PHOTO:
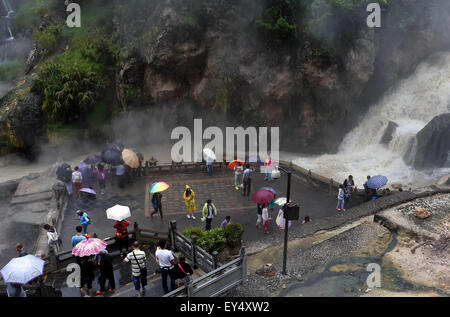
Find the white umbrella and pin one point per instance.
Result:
(23, 269)
(118, 213)
(281, 201)
(209, 153)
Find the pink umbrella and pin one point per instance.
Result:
(262, 196)
(90, 246)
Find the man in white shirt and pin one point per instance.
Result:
(166, 262)
(77, 179)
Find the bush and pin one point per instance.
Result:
(213, 240)
(11, 70)
(233, 234)
(189, 232)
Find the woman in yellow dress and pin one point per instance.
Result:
(189, 199)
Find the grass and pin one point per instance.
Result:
(11, 70)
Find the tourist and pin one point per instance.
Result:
(53, 240)
(138, 268)
(122, 235)
(247, 180)
(265, 219)
(77, 179)
(15, 290)
(268, 169)
(78, 237)
(157, 205)
(189, 200)
(87, 268)
(84, 220)
(341, 196)
(367, 191)
(209, 165)
(209, 212)
(120, 171)
(105, 263)
(238, 169)
(349, 186)
(20, 250)
(166, 262)
(225, 222)
(101, 177)
(259, 216)
(181, 270)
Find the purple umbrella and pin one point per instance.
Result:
(92, 159)
(88, 190)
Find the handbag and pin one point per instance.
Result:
(142, 270)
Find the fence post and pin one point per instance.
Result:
(215, 259)
(137, 234)
(188, 284)
(193, 252)
(243, 257)
(172, 235)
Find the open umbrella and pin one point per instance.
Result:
(112, 157)
(157, 187)
(114, 147)
(23, 269)
(232, 164)
(88, 190)
(64, 173)
(376, 182)
(92, 159)
(130, 158)
(139, 154)
(269, 189)
(281, 201)
(118, 213)
(89, 246)
(262, 196)
(209, 153)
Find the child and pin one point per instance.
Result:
(341, 196)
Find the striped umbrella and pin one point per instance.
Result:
(89, 246)
(157, 187)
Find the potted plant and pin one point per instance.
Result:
(212, 240)
(233, 237)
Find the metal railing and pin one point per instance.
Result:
(216, 282)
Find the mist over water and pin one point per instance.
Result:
(412, 104)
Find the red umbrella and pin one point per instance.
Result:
(232, 164)
(262, 196)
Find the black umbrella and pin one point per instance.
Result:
(115, 147)
(112, 157)
(64, 173)
(92, 159)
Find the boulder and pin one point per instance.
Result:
(431, 147)
(389, 133)
(421, 213)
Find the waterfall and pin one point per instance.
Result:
(411, 104)
(6, 16)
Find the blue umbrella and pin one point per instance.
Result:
(270, 189)
(22, 270)
(376, 182)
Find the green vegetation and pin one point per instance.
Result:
(72, 82)
(31, 12)
(11, 70)
(210, 241)
(233, 234)
(48, 38)
(279, 23)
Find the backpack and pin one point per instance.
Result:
(77, 177)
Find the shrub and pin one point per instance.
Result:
(199, 232)
(213, 240)
(11, 70)
(233, 234)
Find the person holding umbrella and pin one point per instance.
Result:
(20, 271)
(238, 169)
(209, 211)
(106, 272)
(122, 235)
(189, 199)
(87, 268)
(209, 157)
(157, 205)
(247, 180)
(259, 219)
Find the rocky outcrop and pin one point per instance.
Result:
(421, 213)
(389, 133)
(431, 147)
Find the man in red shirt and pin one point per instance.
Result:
(122, 235)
